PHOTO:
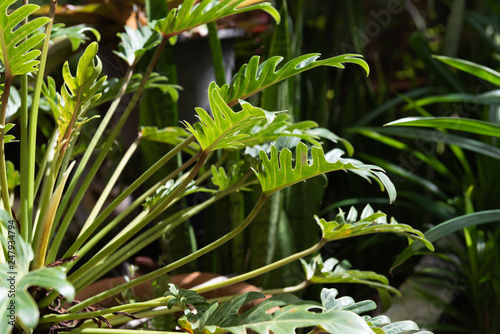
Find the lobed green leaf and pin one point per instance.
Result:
(253, 77)
(191, 14)
(79, 93)
(278, 173)
(227, 128)
(376, 222)
(18, 41)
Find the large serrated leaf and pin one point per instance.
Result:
(17, 54)
(278, 172)
(380, 324)
(191, 14)
(80, 92)
(227, 128)
(342, 228)
(292, 314)
(253, 77)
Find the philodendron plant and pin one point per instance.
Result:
(39, 277)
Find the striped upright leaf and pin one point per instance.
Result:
(17, 54)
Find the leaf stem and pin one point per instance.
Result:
(176, 264)
(3, 169)
(84, 235)
(102, 155)
(33, 122)
(137, 224)
(264, 269)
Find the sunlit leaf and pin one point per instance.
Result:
(451, 123)
(342, 227)
(227, 128)
(79, 93)
(334, 271)
(191, 14)
(279, 172)
(19, 41)
(476, 70)
(290, 315)
(253, 77)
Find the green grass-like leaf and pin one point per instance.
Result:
(451, 123)
(227, 128)
(18, 56)
(448, 227)
(278, 172)
(476, 70)
(253, 77)
(190, 15)
(370, 222)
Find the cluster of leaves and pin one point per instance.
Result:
(284, 314)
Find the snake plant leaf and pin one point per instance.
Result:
(446, 228)
(277, 172)
(227, 128)
(191, 14)
(80, 92)
(491, 97)
(477, 70)
(253, 77)
(18, 41)
(172, 135)
(136, 42)
(451, 123)
(342, 228)
(334, 271)
(291, 315)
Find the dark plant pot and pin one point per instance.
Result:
(195, 70)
